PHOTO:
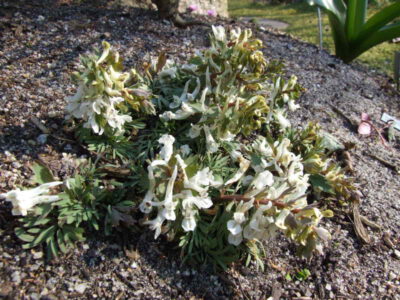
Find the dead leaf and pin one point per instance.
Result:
(358, 225)
(162, 59)
(132, 254)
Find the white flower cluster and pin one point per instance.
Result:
(93, 110)
(185, 195)
(100, 93)
(224, 111)
(26, 200)
(270, 200)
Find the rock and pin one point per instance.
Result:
(34, 296)
(396, 253)
(80, 288)
(392, 276)
(42, 139)
(5, 290)
(16, 277)
(38, 255)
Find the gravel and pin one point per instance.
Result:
(40, 43)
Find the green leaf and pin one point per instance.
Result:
(356, 13)
(320, 182)
(44, 235)
(23, 236)
(43, 210)
(41, 173)
(380, 20)
(330, 142)
(35, 230)
(36, 222)
(52, 246)
(335, 7)
(60, 241)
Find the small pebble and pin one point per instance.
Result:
(42, 139)
(38, 255)
(16, 277)
(397, 254)
(80, 288)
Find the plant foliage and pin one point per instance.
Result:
(352, 33)
(202, 153)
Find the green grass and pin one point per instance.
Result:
(302, 20)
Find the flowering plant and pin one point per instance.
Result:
(215, 164)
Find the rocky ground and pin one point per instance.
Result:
(40, 44)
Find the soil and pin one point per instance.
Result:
(40, 46)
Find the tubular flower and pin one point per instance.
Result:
(26, 200)
(166, 151)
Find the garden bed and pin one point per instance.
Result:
(40, 46)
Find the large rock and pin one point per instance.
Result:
(168, 6)
(219, 6)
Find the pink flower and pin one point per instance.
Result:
(211, 13)
(193, 7)
(364, 127)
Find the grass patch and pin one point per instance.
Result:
(302, 20)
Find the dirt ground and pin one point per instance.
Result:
(39, 48)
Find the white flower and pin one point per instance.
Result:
(247, 180)
(276, 192)
(219, 33)
(73, 101)
(283, 122)
(147, 204)
(295, 173)
(235, 239)
(283, 155)
(189, 67)
(167, 116)
(183, 113)
(189, 221)
(258, 225)
(262, 146)
(23, 201)
(194, 131)
(201, 181)
(167, 150)
(97, 105)
(244, 164)
(228, 137)
(234, 226)
(280, 220)
(115, 120)
(190, 205)
(168, 211)
(178, 100)
(263, 179)
(235, 33)
(171, 73)
(156, 225)
(292, 105)
(185, 150)
(212, 146)
(193, 95)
